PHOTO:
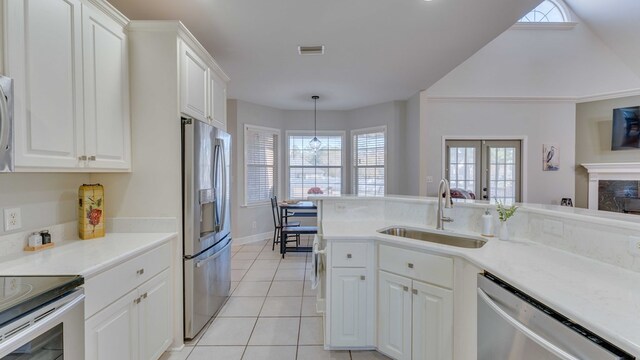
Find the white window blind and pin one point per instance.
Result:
(261, 163)
(315, 172)
(369, 162)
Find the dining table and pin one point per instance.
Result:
(299, 209)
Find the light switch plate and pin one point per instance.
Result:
(12, 219)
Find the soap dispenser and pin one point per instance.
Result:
(487, 223)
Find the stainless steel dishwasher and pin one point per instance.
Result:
(514, 326)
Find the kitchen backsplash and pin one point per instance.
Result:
(604, 238)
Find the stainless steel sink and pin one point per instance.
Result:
(435, 237)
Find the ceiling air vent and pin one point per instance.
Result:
(311, 50)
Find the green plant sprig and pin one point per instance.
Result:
(504, 213)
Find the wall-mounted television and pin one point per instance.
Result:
(625, 134)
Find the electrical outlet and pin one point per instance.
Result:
(429, 179)
(340, 207)
(254, 225)
(634, 245)
(12, 219)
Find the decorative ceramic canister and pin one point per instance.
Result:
(91, 211)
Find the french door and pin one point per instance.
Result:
(491, 169)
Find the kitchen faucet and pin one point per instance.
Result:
(443, 187)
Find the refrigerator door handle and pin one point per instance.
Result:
(223, 208)
(199, 263)
(5, 141)
(216, 213)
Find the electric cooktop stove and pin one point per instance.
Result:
(20, 295)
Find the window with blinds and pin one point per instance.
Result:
(261, 163)
(315, 172)
(369, 161)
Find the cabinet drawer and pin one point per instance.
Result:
(348, 254)
(105, 288)
(433, 269)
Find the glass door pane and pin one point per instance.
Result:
(462, 167)
(501, 161)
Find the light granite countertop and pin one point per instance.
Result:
(602, 297)
(83, 257)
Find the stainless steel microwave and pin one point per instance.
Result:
(7, 155)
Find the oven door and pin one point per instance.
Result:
(53, 331)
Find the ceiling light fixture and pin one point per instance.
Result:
(315, 143)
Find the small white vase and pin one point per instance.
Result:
(504, 231)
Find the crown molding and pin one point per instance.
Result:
(572, 99)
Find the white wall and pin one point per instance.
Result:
(255, 222)
(593, 140)
(539, 63)
(44, 199)
(540, 123)
(412, 154)
(523, 83)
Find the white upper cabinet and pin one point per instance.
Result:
(217, 101)
(194, 77)
(106, 88)
(43, 39)
(203, 87)
(69, 65)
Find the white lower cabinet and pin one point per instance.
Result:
(155, 316)
(415, 319)
(432, 326)
(112, 333)
(394, 315)
(350, 321)
(133, 319)
(348, 310)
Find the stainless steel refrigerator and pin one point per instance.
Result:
(206, 222)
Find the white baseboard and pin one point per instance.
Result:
(253, 238)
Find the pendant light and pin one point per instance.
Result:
(315, 143)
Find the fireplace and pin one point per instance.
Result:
(614, 187)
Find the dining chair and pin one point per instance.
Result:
(277, 226)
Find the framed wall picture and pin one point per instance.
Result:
(550, 157)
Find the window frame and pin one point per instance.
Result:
(524, 154)
(289, 133)
(277, 166)
(567, 24)
(354, 165)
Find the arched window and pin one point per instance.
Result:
(549, 11)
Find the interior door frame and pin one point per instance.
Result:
(524, 155)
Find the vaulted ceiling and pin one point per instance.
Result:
(376, 50)
(617, 23)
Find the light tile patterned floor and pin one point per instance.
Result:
(270, 314)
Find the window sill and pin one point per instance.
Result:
(545, 26)
(255, 205)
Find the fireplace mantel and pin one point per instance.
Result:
(609, 171)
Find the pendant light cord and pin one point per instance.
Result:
(315, 116)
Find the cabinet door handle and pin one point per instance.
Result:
(349, 256)
(140, 271)
(410, 265)
(136, 301)
(414, 291)
(92, 158)
(82, 158)
(144, 296)
(405, 288)
(362, 277)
